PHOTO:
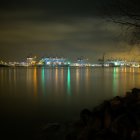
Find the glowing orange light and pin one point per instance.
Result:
(35, 81)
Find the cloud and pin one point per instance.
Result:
(67, 36)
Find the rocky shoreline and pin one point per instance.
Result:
(115, 119)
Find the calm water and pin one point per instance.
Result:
(34, 96)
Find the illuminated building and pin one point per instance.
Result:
(115, 63)
(81, 62)
(54, 61)
(31, 61)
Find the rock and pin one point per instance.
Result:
(135, 91)
(124, 125)
(106, 134)
(115, 119)
(85, 116)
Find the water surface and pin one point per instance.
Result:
(33, 96)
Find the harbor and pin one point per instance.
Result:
(65, 62)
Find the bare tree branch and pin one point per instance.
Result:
(127, 13)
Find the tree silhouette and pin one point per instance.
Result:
(127, 13)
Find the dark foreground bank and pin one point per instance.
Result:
(115, 119)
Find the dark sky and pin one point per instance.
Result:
(68, 28)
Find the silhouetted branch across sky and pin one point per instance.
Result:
(127, 12)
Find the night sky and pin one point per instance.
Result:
(67, 28)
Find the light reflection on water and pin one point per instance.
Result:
(77, 80)
(60, 93)
(35, 81)
(68, 82)
(43, 80)
(115, 81)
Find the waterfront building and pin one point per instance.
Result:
(81, 62)
(115, 63)
(54, 61)
(31, 61)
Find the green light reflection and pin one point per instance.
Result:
(115, 81)
(68, 82)
(43, 79)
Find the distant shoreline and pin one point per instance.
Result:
(60, 66)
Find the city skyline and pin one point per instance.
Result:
(61, 28)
